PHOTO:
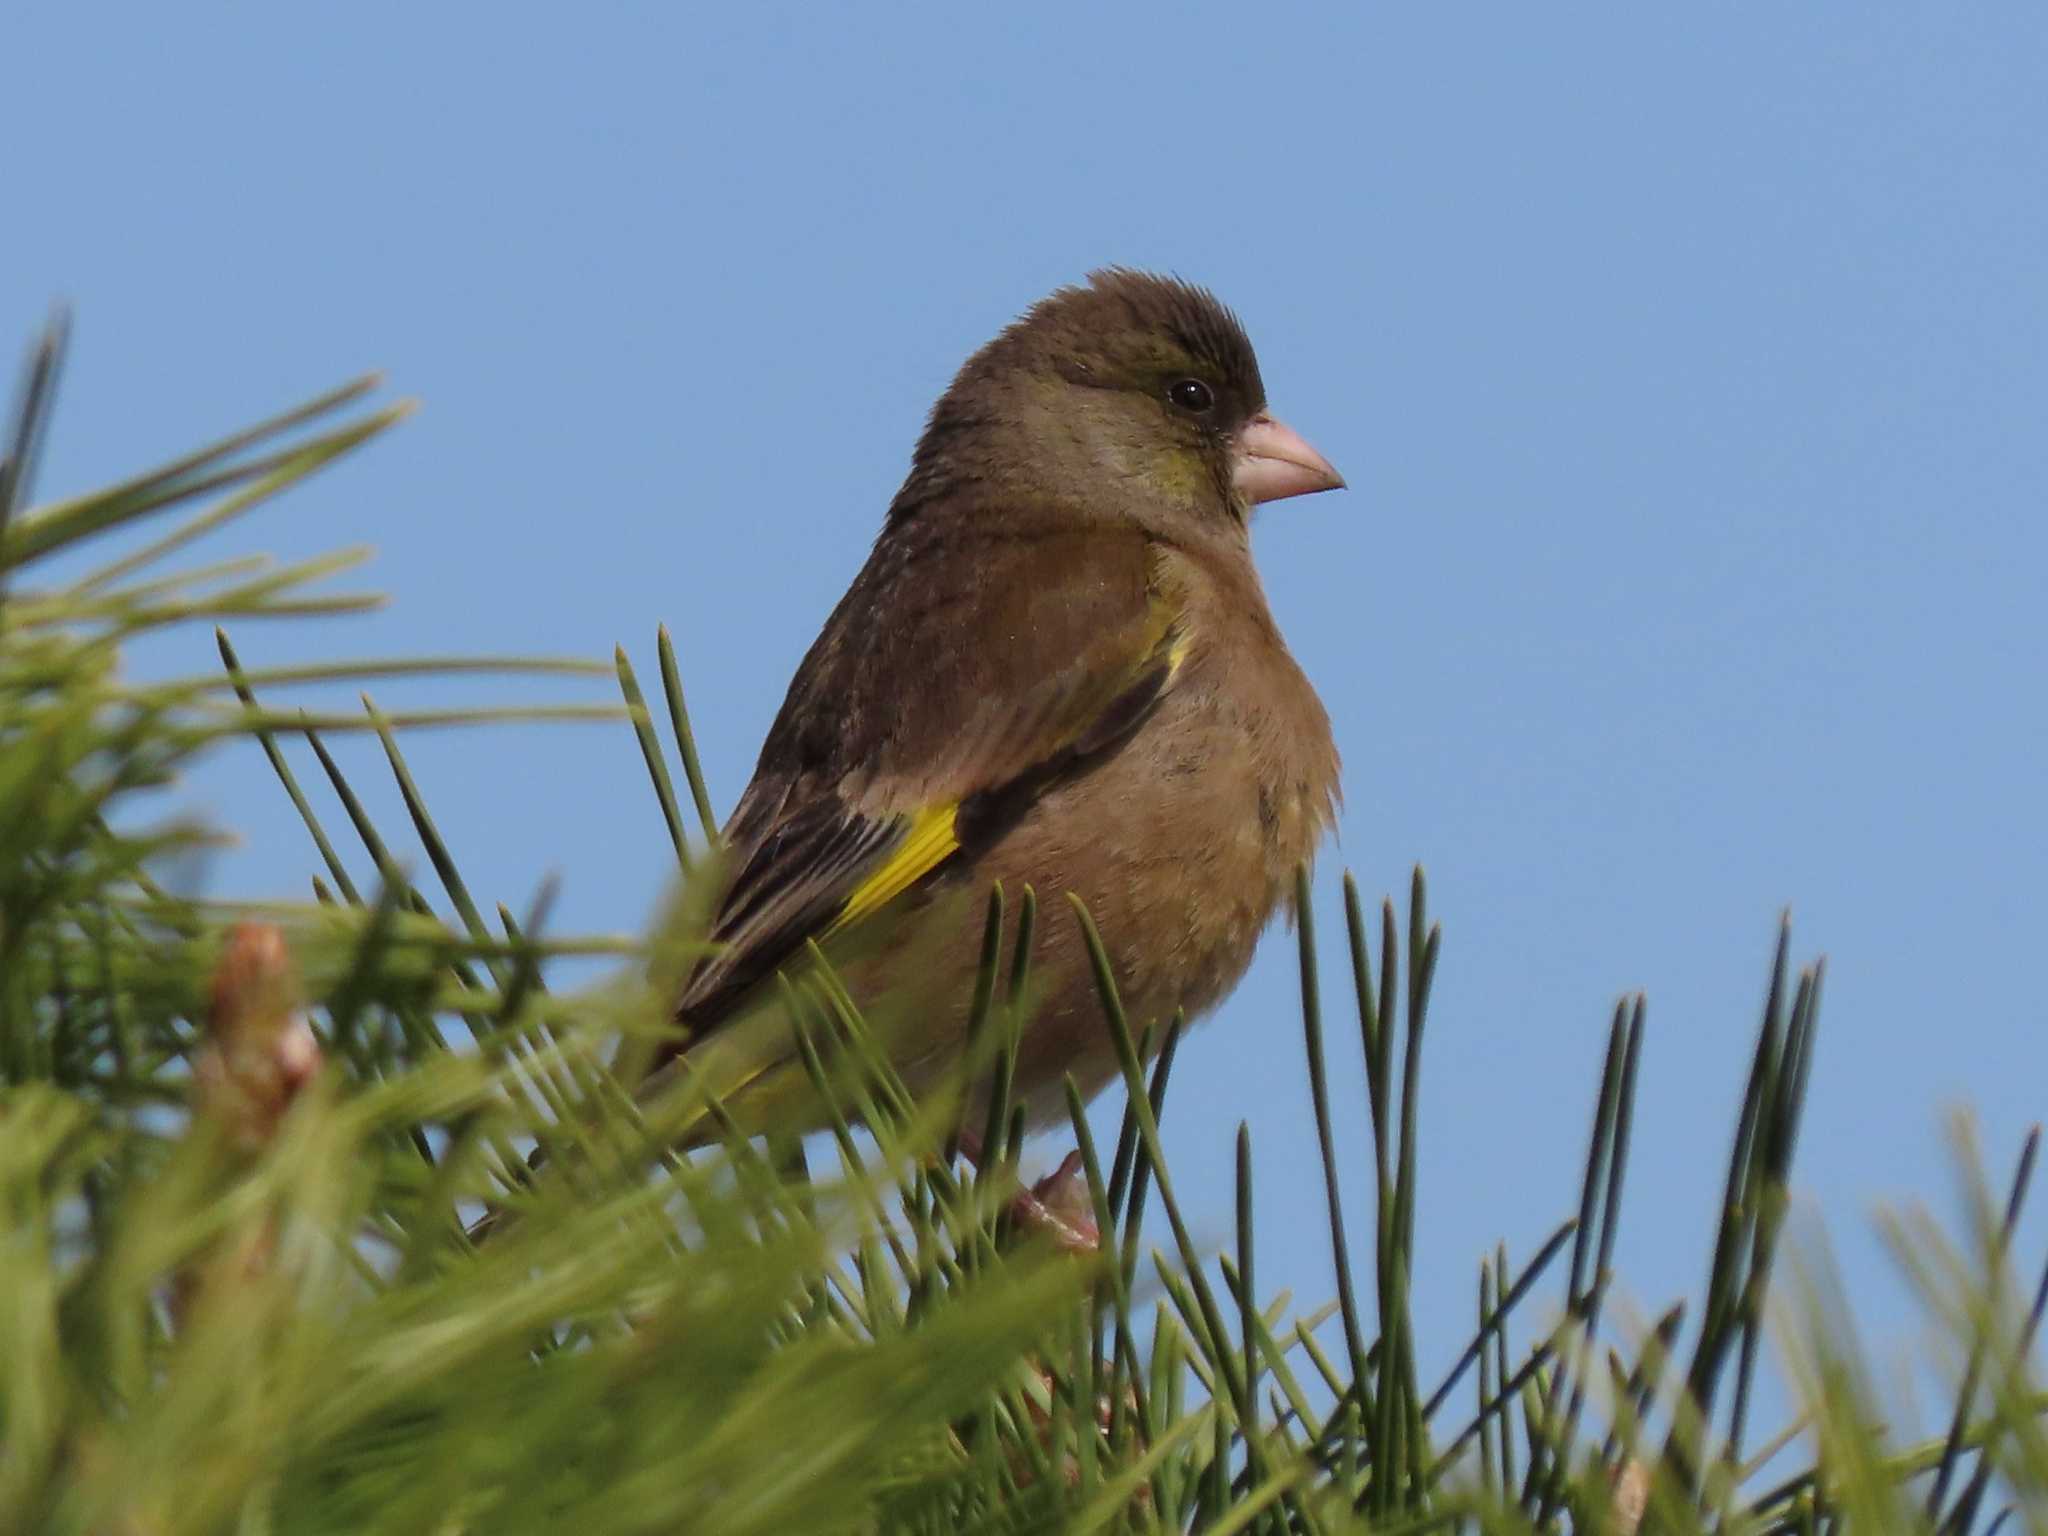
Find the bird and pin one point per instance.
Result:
(1056, 669)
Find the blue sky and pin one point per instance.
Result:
(1688, 371)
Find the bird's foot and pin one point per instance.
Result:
(1060, 1207)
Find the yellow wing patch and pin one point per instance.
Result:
(1168, 618)
(1177, 649)
(931, 840)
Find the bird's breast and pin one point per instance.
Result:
(1185, 842)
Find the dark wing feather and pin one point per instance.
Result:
(794, 884)
(961, 687)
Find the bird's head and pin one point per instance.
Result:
(1135, 396)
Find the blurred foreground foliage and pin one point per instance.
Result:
(244, 1154)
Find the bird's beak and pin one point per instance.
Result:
(1271, 461)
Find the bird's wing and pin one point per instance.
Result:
(903, 749)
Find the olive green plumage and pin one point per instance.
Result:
(1056, 668)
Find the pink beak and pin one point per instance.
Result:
(1272, 461)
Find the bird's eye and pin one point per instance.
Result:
(1191, 395)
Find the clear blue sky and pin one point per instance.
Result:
(1689, 373)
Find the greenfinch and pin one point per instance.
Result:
(1057, 669)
